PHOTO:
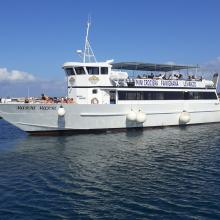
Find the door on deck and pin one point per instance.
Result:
(112, 97)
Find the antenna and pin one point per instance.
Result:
(88, 55)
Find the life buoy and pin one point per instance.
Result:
(94, 101)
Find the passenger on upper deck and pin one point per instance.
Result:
(43, 97)
(151, 76)
(160, 76)
(194, 78)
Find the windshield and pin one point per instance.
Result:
(80, 70)
(104, 70)
(93, 70)
(69, 71)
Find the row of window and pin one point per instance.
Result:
(164, 95)
(90, 71)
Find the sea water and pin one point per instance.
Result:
(169, 173)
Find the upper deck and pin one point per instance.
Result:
(134, 74)
(162, 75)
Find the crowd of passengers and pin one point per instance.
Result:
(177, 76)
(50, 100)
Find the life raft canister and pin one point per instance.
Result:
(94, 101)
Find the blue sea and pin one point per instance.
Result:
(169, 173)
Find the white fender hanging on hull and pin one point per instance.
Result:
(61, 111)
(184, 117)
(131, 116)
(141, 117)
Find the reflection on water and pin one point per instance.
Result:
(169, 173)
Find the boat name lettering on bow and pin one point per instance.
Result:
(27, 107)
(31, 107)
(48, 108)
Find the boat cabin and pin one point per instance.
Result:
(111, 83)
(88, 82)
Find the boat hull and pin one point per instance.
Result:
(42, 118)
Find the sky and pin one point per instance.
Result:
(38, 36)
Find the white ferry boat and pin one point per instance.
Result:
(105, 95)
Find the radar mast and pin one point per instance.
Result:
(88, 55)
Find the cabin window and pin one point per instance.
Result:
(199, 95)
(80, 70)
(165, 95)
(69, 71)
(208, 95)
(147, 96)
(93, 70)
(186, 95)
(173, 95)
(131, 96)
(158, 95)
(94, 91)
(140, 95)
(122, 95)
(104, 70)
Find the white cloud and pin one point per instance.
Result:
(15, 75)
(17, 83)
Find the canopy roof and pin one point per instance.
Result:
(149, 66)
